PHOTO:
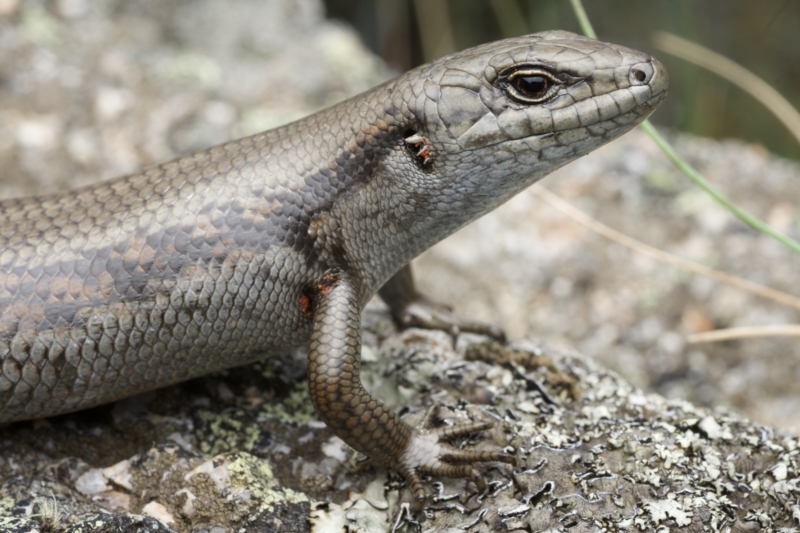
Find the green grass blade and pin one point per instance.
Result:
(701, 182)
(686, 168)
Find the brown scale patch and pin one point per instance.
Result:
(329, 281)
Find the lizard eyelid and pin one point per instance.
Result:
(529, 84)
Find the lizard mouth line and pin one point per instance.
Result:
(650, 104)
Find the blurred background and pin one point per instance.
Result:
(94, 89)
(762, 36)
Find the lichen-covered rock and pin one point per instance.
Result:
(102, 523)
(13, 524)
(594, 453)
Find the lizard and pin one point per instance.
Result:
(261, 245)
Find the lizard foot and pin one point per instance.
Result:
(427, 454)
(422, 313)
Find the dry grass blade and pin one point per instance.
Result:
(756, 87)
(747, 332)
(614, 235)
(734, 73)
(49, 514)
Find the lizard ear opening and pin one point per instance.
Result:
(420, 147)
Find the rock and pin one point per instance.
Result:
(159, 512)
(102, 523)
(593, 451)
(91, 482)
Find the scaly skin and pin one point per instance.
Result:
(258, 246)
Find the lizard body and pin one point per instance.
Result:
(258, 246)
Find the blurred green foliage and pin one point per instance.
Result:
(763, 36)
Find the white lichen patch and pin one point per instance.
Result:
(595, 413)
(529, 407)
(607, 388)
(327, 518)
(661, 510)
(362, 516)
(366, 512)
(713, 430)
(552, 437)
(712, 464)
(780, 471)
(670, 456)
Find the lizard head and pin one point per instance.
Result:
(451, 140)
(487, 122)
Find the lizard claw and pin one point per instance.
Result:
(427, 454)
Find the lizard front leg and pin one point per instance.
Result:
(363, 422)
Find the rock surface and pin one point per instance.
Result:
(540, 274)
(242, 451)
(94, 89)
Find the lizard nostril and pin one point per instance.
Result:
(641, 73)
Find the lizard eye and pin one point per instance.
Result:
(529, 85)
(533, 87)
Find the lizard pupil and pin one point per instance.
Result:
(532, 86)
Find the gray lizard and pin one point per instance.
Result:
(258, 246)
